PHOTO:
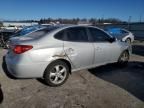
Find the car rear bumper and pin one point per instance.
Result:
(29, 70)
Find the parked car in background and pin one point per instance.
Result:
(7, 34)
(121, 34)
(4, 36)
(54, 52)
(28, 29)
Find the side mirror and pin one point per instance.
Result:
(112, 39)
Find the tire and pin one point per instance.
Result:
(56, 73)
(123, 59)
(128, 40)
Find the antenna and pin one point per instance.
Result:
(129, 21)
(140, 20)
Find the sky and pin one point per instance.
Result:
(37, 9)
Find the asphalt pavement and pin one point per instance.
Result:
(106, 86)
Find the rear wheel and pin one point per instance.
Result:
(123, 59)
(56, 73)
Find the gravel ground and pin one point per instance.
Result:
(104, 87)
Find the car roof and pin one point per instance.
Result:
(68, 26)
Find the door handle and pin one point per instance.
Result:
(98, 48)
(70, 51)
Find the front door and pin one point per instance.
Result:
(104, 50)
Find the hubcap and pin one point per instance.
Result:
(58, 74)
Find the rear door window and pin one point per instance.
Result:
(76, 34)
(60, 35)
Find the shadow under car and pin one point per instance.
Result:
(130, 78)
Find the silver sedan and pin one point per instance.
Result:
(54, 52)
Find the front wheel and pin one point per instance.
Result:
(123, 59)
(128, 40)
(56, 73)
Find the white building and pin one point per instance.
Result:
(17, 24)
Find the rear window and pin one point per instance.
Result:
(25, 31)
(40, 33)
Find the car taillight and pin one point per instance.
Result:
(19, 49)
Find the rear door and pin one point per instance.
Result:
(104, 50)
(78, 48)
